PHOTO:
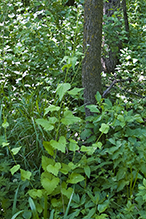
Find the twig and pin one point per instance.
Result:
(112, 84)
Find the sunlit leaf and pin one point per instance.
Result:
(104, 128)
(60, 145)
(14, 169)
(75, 178)
(25, 175)
(45, 124)
(62, 89)
(49, 185)
(69, 118)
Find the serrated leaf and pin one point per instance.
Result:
(75, 178)
(14, 169)
(51, 109)
(46, 161)
(62, 89)
(53, 120)
(16, 150)
(75, 91)
(48, 148)
(65, 168)
(54, 169)
(34, 193)
(50, 185)
(60, 145)
(25, 175)
(67, 192)
(104, 128)
(45, 124)
(69, 118)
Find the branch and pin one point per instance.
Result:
(112, 84)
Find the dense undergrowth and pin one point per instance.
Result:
(54, 162)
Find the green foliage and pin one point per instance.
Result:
(54, 162)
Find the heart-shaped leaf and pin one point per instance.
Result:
(54, 169)
(49, 185)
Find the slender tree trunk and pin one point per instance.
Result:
(91, 68)
(114, 45)
(125, 18)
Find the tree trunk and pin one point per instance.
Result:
(91, 68)
(114, 44)
(125, 18)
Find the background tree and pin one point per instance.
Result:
(91, 68)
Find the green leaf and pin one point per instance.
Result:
(14, 169)
(51, 109)
(93, 108)
(138, 118)
(5, 125)
(60, 145)
(86, 133)
(91, 213)
(75, 91)
(46, 161)
(102, 207)
(67, 192)
(104, 128)
(121, 173)
(48, 148)
(75, 178)
(97, 145)
(69, 118)
(62, 89)
(54, 169)
(121, 185)
(16, 214)
(34, 193)
(16, 150)
(33, 208)
(102, 216)
(45, 124)
(53, 120)
(98, 97)
(65, 168)
(89, 150)
(144, 182)
(73, 145)
(5, 144)
(50, 185)
(87, 171)
(25, 175)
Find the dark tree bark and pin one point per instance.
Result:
(91, 67)
(125, 18)
(109, 63)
